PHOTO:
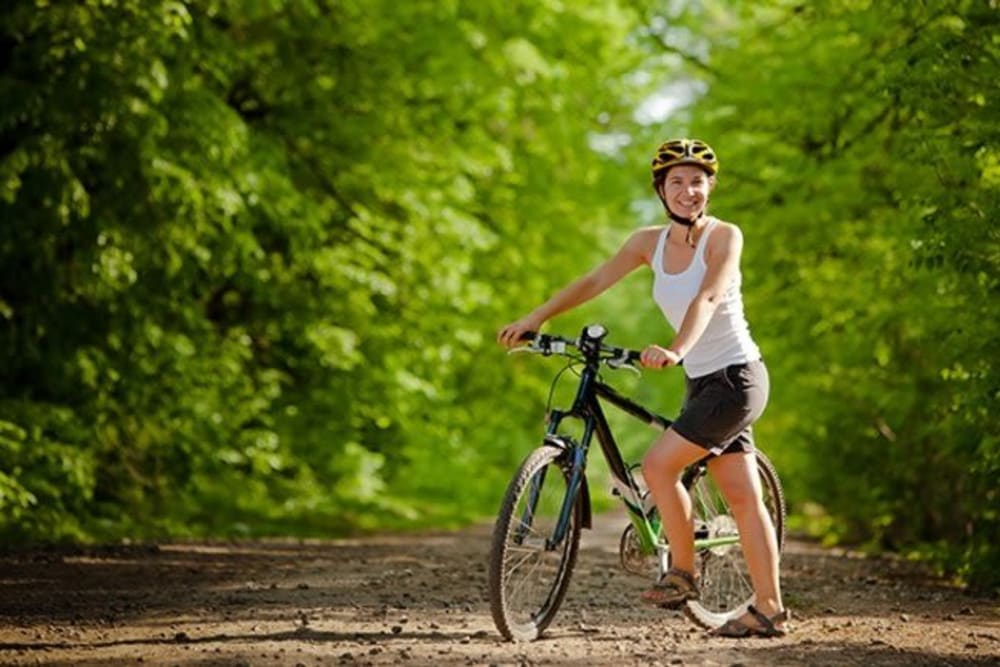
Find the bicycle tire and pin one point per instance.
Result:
(528, 577)
(725, 589)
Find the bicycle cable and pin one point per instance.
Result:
(573, 362)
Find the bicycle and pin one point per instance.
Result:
(536, 536)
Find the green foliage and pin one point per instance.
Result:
(859, 151)
(253, 255)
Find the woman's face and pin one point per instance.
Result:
(685, 189)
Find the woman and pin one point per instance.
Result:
(695, 260)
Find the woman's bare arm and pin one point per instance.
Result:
(723, 261)
(633, 253)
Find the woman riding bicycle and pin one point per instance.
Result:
(695, 260)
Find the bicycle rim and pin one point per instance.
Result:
(528, 573)
(726, 589)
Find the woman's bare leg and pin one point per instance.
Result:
(736, 476)
(662, 468)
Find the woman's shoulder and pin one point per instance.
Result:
(724, 224)
(725, 230)
(724, 235)
(651, 232)
(643, 241)
(648, 237)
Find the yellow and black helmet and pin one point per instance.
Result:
(684, 151)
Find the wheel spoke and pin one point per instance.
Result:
(726, 588)
(528, 576)
(523, 582)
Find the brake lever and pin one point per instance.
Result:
(623, 365)
(535, 347)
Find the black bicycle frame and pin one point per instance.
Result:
(587, 407)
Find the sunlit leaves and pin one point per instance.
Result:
(264, 246)
(857, 150)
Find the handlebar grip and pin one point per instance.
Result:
(528, 335)
(634, 356)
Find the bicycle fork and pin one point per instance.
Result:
(577, 461)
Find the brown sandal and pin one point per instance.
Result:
(673, 589)
(767, 628)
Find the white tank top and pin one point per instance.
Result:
(726, 340)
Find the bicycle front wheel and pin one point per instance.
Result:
(726, 590)
(530, 563)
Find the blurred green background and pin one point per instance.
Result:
(253, 254)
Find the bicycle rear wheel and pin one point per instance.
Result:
(529, 571)
(726, 590)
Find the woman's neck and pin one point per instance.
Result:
(684, 235)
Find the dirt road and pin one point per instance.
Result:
(421, 600)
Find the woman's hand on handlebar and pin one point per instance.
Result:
(510, 335)
(655, 356)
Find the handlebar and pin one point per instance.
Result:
(589, 343)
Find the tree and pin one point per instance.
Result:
(860, 149)
(252, 253)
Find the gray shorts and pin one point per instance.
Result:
(719, 408)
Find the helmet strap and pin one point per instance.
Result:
(687, 222)
(684, 222)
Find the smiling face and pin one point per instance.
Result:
(685, 190)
